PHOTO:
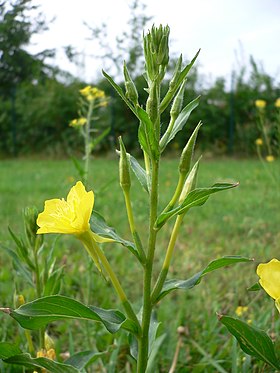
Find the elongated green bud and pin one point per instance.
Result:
(187, 153)
(177, 72)
(30, 215)
(124, 168)
(190, 182)
(178, 102)
(131, 91)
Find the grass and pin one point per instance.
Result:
(242, 221)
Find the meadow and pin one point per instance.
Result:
(241, 221)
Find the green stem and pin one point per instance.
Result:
(143, 343)
(133, 230)
(167, 259)
(94, 250)
(177, 193)
(38, 291)
(87, 142)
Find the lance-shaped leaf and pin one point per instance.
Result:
(8, 349)
(119, 90)
(139, 172)
(41, 362)
(82, 359)
(171, 285)
(19, 266)
(99, 226)
(196, 197)
(179, 79)
(252, 340)
(40, 312)
(146, 134)
(180, 121)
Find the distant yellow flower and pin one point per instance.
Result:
(259, 142)
(277, 103)
(270, 158)
(269, 274)
(92, 93)
(260, 104)
(70, 216)
(240, 310)
(78, 122)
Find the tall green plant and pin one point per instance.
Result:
(75, 216)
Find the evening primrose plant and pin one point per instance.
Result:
(91, 99)
(75, 216)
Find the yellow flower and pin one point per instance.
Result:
(260, 104)
(70, 216)
(78, 122)
(240, 310)
(277, 103)
(259, 142)
(269, 274)
(85, 91)
(270, 158)
(92, 93)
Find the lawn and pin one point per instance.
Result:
(242, 221)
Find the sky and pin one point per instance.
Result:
(227, 31)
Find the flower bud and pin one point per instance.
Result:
(131, 91)
(178, 102)
(30, 215)
(176, 73)
(187, 153)
(260, 104)
(190, 182)
(124, 168)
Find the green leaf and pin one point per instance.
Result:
(181, 120)
(186, 69)
(40, 312)
(151, 367)
(19, 267)
(119, 90)
(196, 197)
(53, 283)
(146, 134)
(171, 285)
(21, 249)
(139, 172)
(172, 90)
(8, 349)
(79, 167)
(252, 340)
(98, 226)
(99, 138)
(82, 359)
(41, 362)
(255, 287)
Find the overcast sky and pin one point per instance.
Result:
(227, 31)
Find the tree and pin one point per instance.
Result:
(17, 25)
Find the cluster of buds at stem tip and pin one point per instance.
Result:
(156, 51)
(131, 91)
(124, 168)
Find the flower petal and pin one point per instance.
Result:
(269, 274)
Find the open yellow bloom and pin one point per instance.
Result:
(269, 274)
(277, 103)
(270, 158)
(70, 216)
(259, 142)
(260, 104)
